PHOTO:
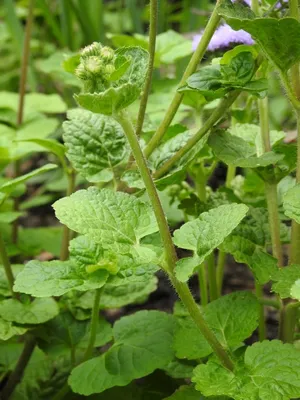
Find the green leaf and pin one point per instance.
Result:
(276, 37)
(8, 329)
(284, 280)
(180, 369)
(233, 150)
(117, 221)
(291, 203)
(262, 264)
(9, 216)
(142, 344)
(94, 143)
(4, 287)
(206, 233)
(270, 370)
(11, 185)
(36, 312)
(186, 393)
(50, 145)
(232, 318)
(240, 69)
(54, 278)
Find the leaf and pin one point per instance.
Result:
(50, 145)
(270, 370)
(291, 204)
(9, 216)
(36, 312)
(206, 233)
(186, 393)
(8, 329)
(94, 143)
(235, 151)
(239, 70)
(142, 344)
(117, 221)
(4, 287)
(284, 280)
(180, 369)
(11, 185)
(278, 38)
(232, 318)
(54, 278)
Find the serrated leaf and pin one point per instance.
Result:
(291, 203)
(270, 370)
(54, 278)
(278, 38)
(36, 312)
(8, 329)
(117, 221)
(285, 279)
(11, 185)
(206, 233)
(94, 143)
(232, 318)
(142, 344)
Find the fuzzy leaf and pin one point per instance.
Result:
(285, 279)
(142, 344)
(206, 233)
(291, 203)
(54, 278)
(36, 312)
(270, 370)
(117, 221)
(94, 143)
(232, 317)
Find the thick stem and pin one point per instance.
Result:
(220, 271)
(211, 121)
(200, 182)
(261, 324)
(190, 69)
(212, 279)
(147, 87)
(288, 322)
(64, 251)
(269, 302)
(171, 257)
(295, 75)
(6, 265)
(94, 325)
(22, 90)
(202, 278)
(17, 374)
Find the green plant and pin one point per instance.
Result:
(117, 235)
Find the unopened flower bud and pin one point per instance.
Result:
(93, 65)
(109, 69)
(93, 49)
(107, 53)
(80, 72)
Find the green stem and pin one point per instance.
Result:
(147, 87)
(269, 302)
(203, 284)
(22, 90)
(64, 251)
(220, 271)
(200, 181)
(94, 325)
(289, 317)
(6, 265)
(295, 75)
(17, 374)
(190, 69)
(211, 121)
(171, 257)
(212, 279)
(231, 171)
(261, 324)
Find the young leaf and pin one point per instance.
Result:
(94, 143)
(36, 312)
(270, 369)
(232, 318)
(285, 279)
(117, 221)
(8, 329)
(206, 233)
(276, 37)
(291, 203)
(142, 344)
(54, 278)
(11, 185)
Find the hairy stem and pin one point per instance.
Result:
(17, 374)
(211, 121)
(147, 87)
(171, 257)
(6, 265)
(212, 279)
(220, 271)
(261, 323)
(203, 284)
(22, 90)
(64, 251)
(94, 325)
(190, 69)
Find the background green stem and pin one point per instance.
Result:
(170, 253)
(212, 278)
(202, 278)
(64, 252)
(190, 69)
(6, 265)
(261, 323)
(220, 271)
(94, 325)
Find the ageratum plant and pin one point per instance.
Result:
(57, 341)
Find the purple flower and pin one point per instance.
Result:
(224, 36)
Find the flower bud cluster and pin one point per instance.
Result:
(97, 63)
